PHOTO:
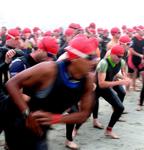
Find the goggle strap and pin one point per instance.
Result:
(11, 36)
(76, 52)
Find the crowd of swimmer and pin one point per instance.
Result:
(22, 45)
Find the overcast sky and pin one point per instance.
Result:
(54, 13)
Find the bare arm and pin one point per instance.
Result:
(107, 84)
(122, 74)
(27, 78)
(8, 58)
(136, 53)
(86, 103)
(36, 76)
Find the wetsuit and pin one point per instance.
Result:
(70, 127)
(138, 46)
(113, 96)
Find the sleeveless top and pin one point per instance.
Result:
(61, 95)
(111, 71)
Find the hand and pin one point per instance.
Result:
(126, 81)
(9, 55)
(141, 56)
(32, 124)
(43, 118)
(142, 61)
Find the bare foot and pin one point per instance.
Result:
(139, 108)
(111, 134)
(71, 145)
(97, 124)
(122, 119)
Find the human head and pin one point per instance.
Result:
(115, 32)
(3, 30)
(91, 32)
(47, 48)
(117, 52)
(37, 32)
(13, 34)
(69, 33)
(92, 25)
(125, 41)
(26, 32)
(124, 28)
(56, 33)
(130, 32)
(100, 31)
(77, 28)
(36, 29)
(13, 38)
(80, 52)
(48, 33)
(81, 46)
(105, 33)
(140, 30)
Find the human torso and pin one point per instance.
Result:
(59, 95)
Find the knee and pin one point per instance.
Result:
(124, 93)
(119, 108)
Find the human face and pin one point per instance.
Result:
(125, 45)
(42, 55)
(118, 34)
(90, 57)
(27, 35)
(116, 58)
(84, 65)
(83, 62)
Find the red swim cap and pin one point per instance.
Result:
(26, 30)
(12, 34)
(115, 30)
(92, 25)
(117, 50)
(124, 39)
(48, 33)
(69, 32)
(36, 29)
(49, 44)
(81, 47)
(74, 26)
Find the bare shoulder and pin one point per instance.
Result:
(47, 67)
(44, 66)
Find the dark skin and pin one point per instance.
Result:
(42, 76)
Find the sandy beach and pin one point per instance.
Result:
(89, 138)
(131, 132)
